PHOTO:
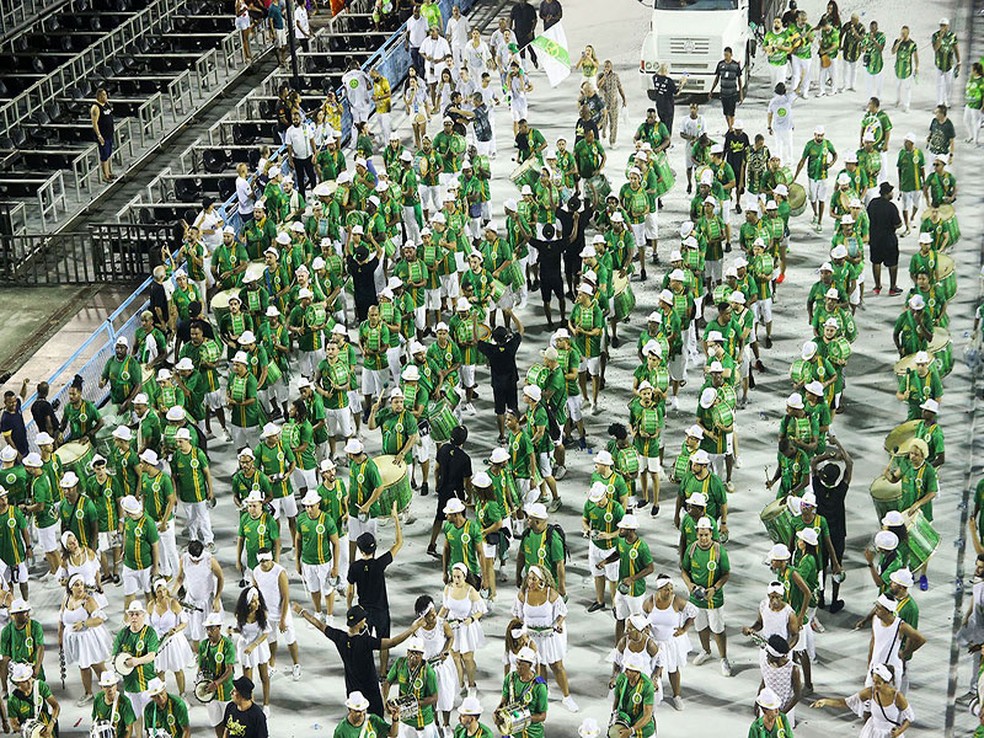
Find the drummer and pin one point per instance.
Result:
(523, 689)
(365, 487)
(417, 679)
(889, 560)
(123, 374)
(913, 328)
(81, 418)
(31, 698)
(920, 384)
(705, 570)
(113, 707)
(920, 486)
(930, 432)
(634, 696)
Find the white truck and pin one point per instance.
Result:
(689, 37)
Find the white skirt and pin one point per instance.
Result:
(551, 645)
(447, 684)
(176, 654)
(260, 655)
(674, 652)
(468, 638)
(84, 648)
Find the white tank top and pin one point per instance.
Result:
(268, 582)
(774, 623)
(664, 622)
(88, 570)
(457, 609)
(199, 581)
(163, 622)
(433, 639)
(887, 642)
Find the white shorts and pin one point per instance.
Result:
(339, 422)
(652, 226)
(724, 207)
(627, 605)
(139, 700)
(215, 400)
(316, 577)
(449, 285)
(817, 189)
(518, 107)
(358, 527)
(855, 298)
(714, 270)
(216, 712)
(490, 550)
(432, 299)
(8, 573)
(592, 365)
(425, 449)
(650, 464)
(763, 311)
(285, 506)
(639, 233)
(574, 404)
(713, 619)
(428, 731)
(596, 556)
(373, 381)
(242, 24)
(911, 200)
(135, 581)
(526, 490)
(107, 542)
(305, 478)
(48, 538)
(467, 373)
(678, 367)
(288, 635)
(280, 34)
(545, 464)
(430, 197)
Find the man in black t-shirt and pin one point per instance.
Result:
(550, 250)
(728, 75)
(664, 92)
(355, 647)
(575, 217)
(523, 19)
(454, 471)
(883, 241)
(243, 717)
(367, 579)
(504, 374)
(830, 485)
(736, 146)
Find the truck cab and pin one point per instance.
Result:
(689, 37)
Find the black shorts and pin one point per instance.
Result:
(554, 285)
(379, 621)
(728, 104)
(886, 254)
(504, 396)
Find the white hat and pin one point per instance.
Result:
(304, 383)
(930, 404)
(707, 397)
(69, 480)
(311, 498)
(887, 540)
(499, 455)
(893, 518)
(414, 643)
(707, 177)
(814, 388)
(715, 367)
(537, 510)
(629, 522)
(43, 439)
(700, 456)
(710, 200)
(654, 348)
(666, 296)
(819, 131)
(442, 326)
(617, 217)
(589, 728)
(597, 492)
(136, 606)
(832, 294)
(463, 304)
(677, 275)
(21, 673)
(354, 446)
(916, 302)
(108, 678)
(245, 451)
(808, 498)
(270, 430)
(847, 219)
(697, 499)
(406, 156)
(588, 252)
(794, 401)
(808, 351)
(356, 700)
(533, 392)
(175, 414)
(185, 364)
(527, 654)
(902, 577)
(327, 464)
(453, 506)
(303, 293)
(944, 21)
(482, 480)
(149, 456)
(603, 457)
(704, 523)
(768, 700)
(410, 373)
(469, 705)
(925, 237)
(283, 238)
(131, 505)
(33, 459)
(840, 251)
(241, 357)
(910, 137)
(19, 605)
(254, 496)
(942, 158)
(527, 190)
(122, 341)
(655, 317)
(639, 662)
(854, 203)
(213, 619)
(714, 337)
(359, 230)
(695, 431)
(9, 453)
(808, 535)
(779, 552)
(561, 333)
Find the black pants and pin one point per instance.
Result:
(303, 174)
(665, 113)
(524, 46)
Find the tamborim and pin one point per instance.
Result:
(120, 665)
(204, 691)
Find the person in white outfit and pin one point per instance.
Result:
(169, 621)
(889, 715)
(252, 642)
(457, 31)
(152, 477)
(82, 634)
(780, 122)
(271, 579)
(670, 616)
(893, 641)
(437, 638)
(201, 576)
(463, 608)
(357, 88)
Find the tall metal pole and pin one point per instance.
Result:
(292, 46)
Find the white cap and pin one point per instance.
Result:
(779, 552)
(714, 337)
(887, 540)
(666, 296)
(617, 217)
(410, 373)
(122, 341)
(183, 434)
(537, 510)
(327, 464)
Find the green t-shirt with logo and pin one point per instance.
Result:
(138, 643)
(213, 658)
(816, 155)
(421, 683)
(257, 533)
(124, 717)
(705, 568)
(139, 535)
(463, 545)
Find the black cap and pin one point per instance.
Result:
(778, 644)
(243, 685)
(355, 614)
(366, 543)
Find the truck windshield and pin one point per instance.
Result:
(696, 4)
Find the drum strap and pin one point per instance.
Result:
(113, 714)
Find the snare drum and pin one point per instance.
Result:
(442, 422)
(778, 521)
(923, 539)
(512, 719)
(624, 297)
(898, 440)
(525, 173)
(949, 217)
(76, 455)
(32, 728)
(797, 199)
(619, 728)
(102, 729)
(596, 189)
(396, 484)
(946, 275)
(885, 496)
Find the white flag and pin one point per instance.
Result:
(551, 48)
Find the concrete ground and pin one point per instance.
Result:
(718, 705)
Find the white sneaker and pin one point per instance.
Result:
(677, 703)
(702, 658)
(471, 409)
(570, 704)
(726, 667)
(674, 402)
(266, 711)
(296, 672)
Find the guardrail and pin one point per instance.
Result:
(89, 358)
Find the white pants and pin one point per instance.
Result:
(428, 731)
(801, 75)
(972, 119)
(385, 126)
(874, 83)
(393, 360)
(410, 223)
(903, 92)
(308, 361)
(168, 547)
(849, 74)
(944, 87)
(777, 73)
(199, 521)
(829, 74)
(242, 436)
(784, 145)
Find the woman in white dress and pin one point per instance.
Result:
(169, 620)
(463, 609)
(252, 646)
(670, 617)
(77, 559)
(82, 635)
(543, 612)
(638, 639)
(888, 712)
(517, 638)
(438, 638)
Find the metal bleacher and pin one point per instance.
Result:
(159, 60)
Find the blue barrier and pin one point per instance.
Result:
(392, 60)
